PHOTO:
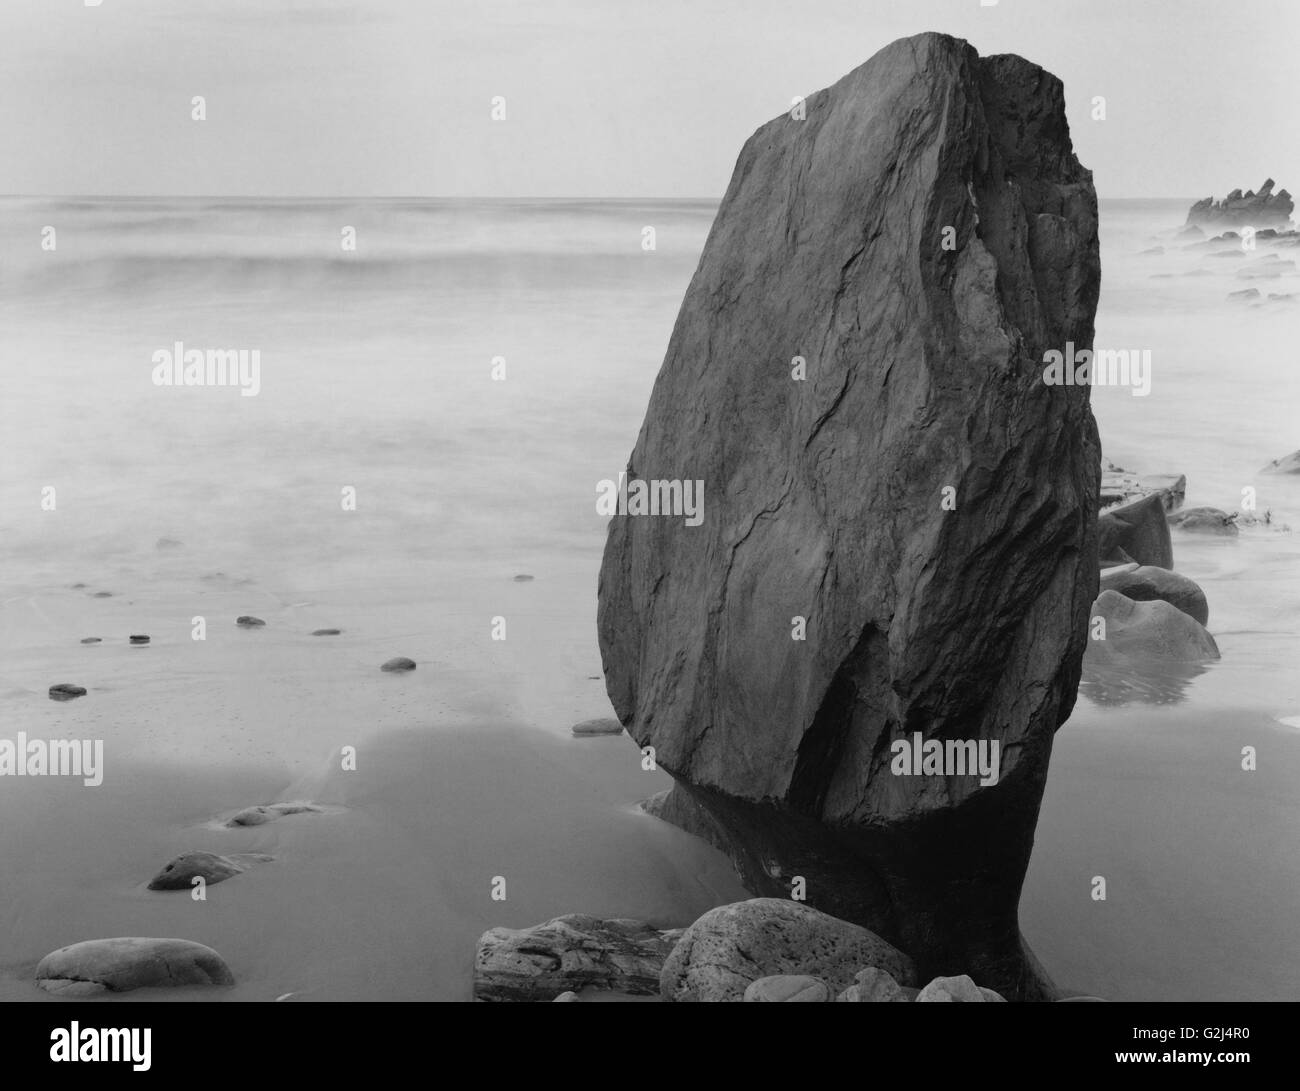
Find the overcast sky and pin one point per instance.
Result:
(603, 99)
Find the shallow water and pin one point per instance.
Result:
(376, 375)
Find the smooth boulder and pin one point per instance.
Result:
(130, 962)
(722, 953)
(1136, 532)
(570, 953)
(1154, 631)
(398, 664)
(864, 414)
(1148, 583)
(247, 621)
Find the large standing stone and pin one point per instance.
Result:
(728, 948)
(922, 500)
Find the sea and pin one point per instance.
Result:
(441, 387)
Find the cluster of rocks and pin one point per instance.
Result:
(1238, 209)
(764, 950)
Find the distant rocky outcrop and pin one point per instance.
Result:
(1262, 209)
(1205, 521)
(856, 377)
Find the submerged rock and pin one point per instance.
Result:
(179, 873)
(1205, 521)
(1288, 465)
(268, 812)
(1136, 532)
(66, 691)
(729, 947)
(326, 632)
(247, 621)
(130, 962)
(605, 726)
(400, 663)
(1152, 630)
(1147, 583)
(880, 457)
(92, 640)
(570, 953)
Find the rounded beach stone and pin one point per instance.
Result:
(951, 990)
(326, 632)
(730, 946)
(66, 691)
(91, 640)
(787, 988)
(139, 638)
(130, 962)
(873, 986)
(247, 621)
(400, 663)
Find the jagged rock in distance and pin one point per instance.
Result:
(1251, 209)
(824, 499)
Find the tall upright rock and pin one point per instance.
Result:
(922, 499)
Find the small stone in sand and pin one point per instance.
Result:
(167, 543)
(326, 632)
(598, 727)
(78, 586)
(247, 621)
(256, 816)
(401, 663)
(66, 691)
(91, 640)
(139, 638)
(179, 874)
(523, 577)
(102, 595)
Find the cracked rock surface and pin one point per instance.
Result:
(822, 500)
